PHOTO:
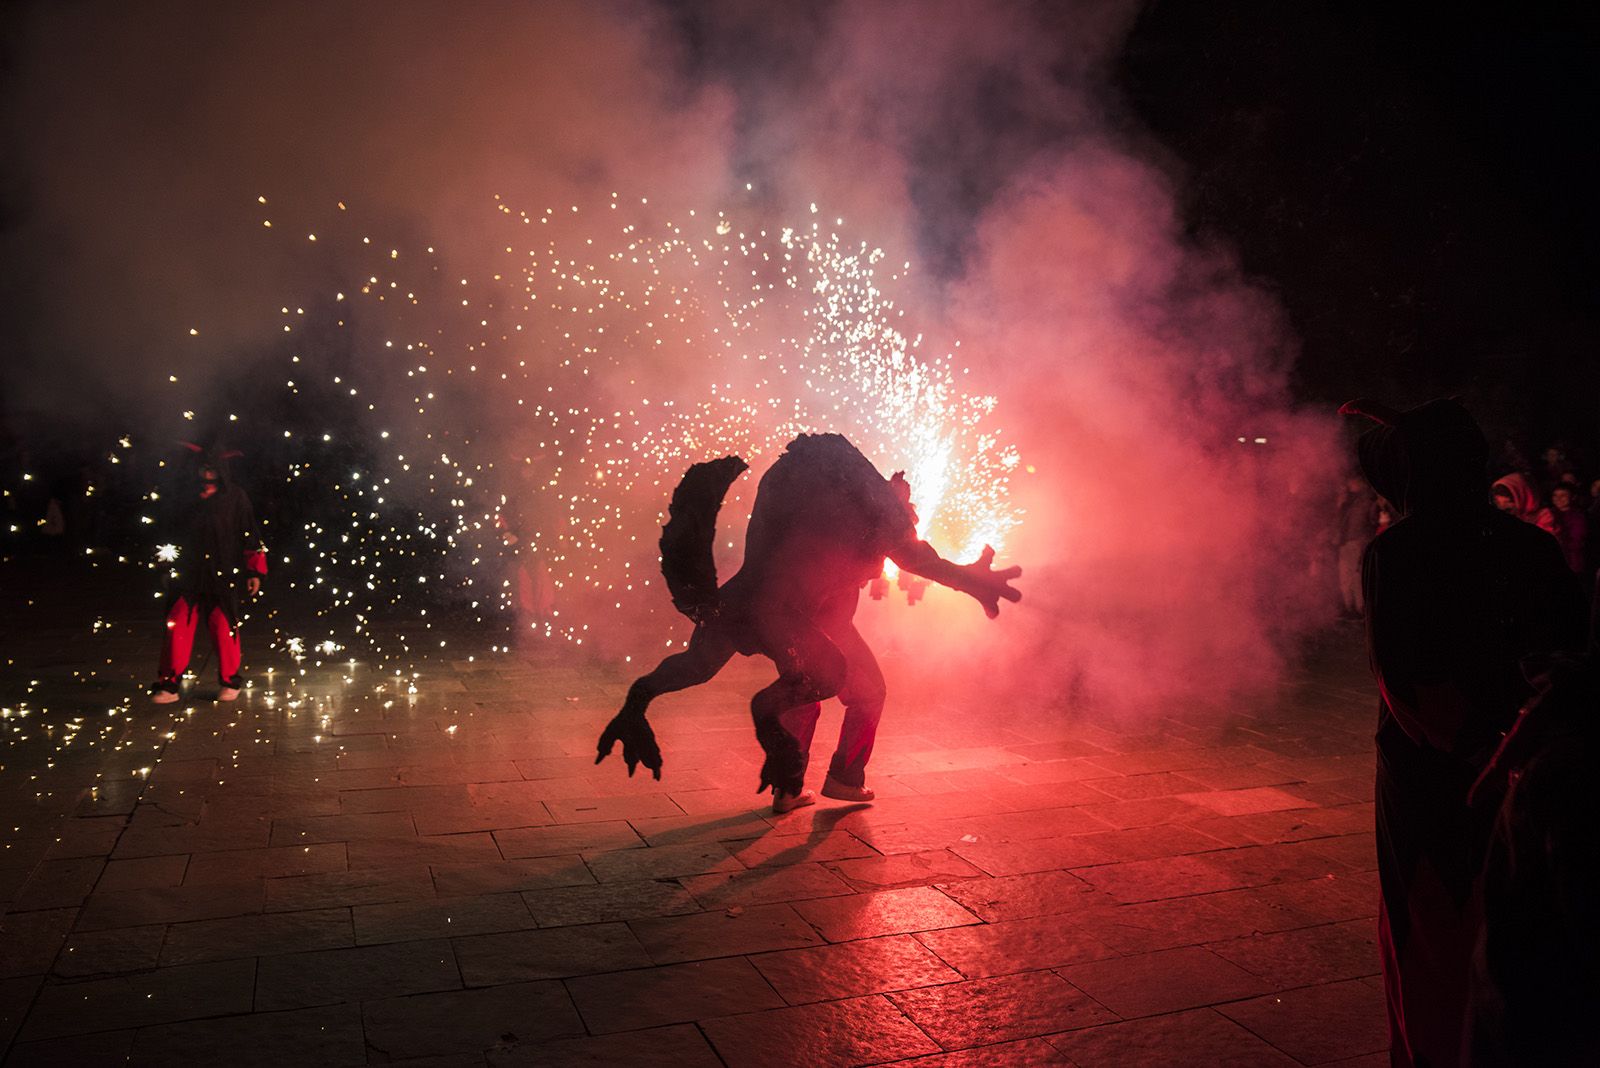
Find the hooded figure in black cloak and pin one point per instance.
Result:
(823, 522)
(214, 553)
(1457, 594)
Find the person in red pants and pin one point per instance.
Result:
(824, 521)
(217, 549)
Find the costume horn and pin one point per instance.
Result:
(1377, 411)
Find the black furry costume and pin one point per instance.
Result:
(823, 522)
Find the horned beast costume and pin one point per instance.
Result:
(215, 549)
(823, 522)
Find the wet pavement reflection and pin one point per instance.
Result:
(351, 866)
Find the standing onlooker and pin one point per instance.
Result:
(1572, 528)
(216, 554)
(1557, 467)
(1457, 595)
(1515, 495)
(1592, 549)
(1358, 522)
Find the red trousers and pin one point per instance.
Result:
(182, 622)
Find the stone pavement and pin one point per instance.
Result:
(338, 871)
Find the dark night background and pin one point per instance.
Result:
(1417, 190)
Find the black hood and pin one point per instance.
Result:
(1427, 459)
(216, 456)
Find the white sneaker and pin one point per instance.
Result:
(163, 697)
(839, 791)
(227, 693)
(782, 802)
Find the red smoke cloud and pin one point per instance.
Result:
(1166, 561)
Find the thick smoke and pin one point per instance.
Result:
(1167, 560)
(148, 132)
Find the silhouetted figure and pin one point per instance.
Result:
(1591, 549)
(215, 549)
(1535, 984)
(823, 522)
(1458, 594)
(532, 587)
(1515, 495)
(1572, 528)
(1358, 522)
(1557, 467)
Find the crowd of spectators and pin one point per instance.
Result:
(1552, 494)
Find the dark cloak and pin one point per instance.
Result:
(1457, 594)
(219, 547)
(1536, 973)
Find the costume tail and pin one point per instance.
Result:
(686, 559)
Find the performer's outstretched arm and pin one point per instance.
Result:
(977, 579)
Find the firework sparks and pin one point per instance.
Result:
(534, 417)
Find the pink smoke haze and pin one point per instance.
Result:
(1168, 565)
(1168, 560)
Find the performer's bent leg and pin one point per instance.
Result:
(802, 723)
(863, 696)
(178, 641)
(229, 653)
(810, 669)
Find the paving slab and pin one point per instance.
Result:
(1307, 956)
(1021, 897)
(650, 997)
(678, 1046)
(725, 932)
(565, 840)
(368, 886)
(361, 973)
(162, 996)
(599, 903)
(29, 941)
(468, 1021)
(257, 935)
(90, 954)
(553, 953)
(919, 908)
(852, 969)
(1145, 984)
(867, 1030)
(407, 921)
(102, 1049)
(1026, 1053)
(1014, 946)
(170, 904)
(1199, 1036)
(330, 1035)
(1318, 1024)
